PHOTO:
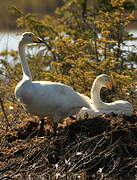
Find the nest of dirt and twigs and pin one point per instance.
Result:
(104, 147)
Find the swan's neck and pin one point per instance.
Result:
(25, 66)
(95, 95)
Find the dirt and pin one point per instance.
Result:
(104, 147)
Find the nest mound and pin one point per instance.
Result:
(89, 149)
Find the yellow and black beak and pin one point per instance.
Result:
(109, 85)
(37, 39)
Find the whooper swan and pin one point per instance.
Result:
(98, 106)
(43, 98)
(117, 107)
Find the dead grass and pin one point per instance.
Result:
(89, 149)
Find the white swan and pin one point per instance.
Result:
(43, 98)
(98, 107)
(117, 107)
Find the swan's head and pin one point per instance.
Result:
(29, 37)
(104, 81)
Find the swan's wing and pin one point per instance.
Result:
(118, 107)
(59, 95)
(125, 107)
(122, 105)
(86, 98)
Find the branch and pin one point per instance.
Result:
(4, 113)
(84, 8)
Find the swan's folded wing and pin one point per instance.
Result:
(119, 107)
(86, 98)
(123, 105)
(59, 95)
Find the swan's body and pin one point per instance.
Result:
(54, 100)
(117, 107)
(43, 98)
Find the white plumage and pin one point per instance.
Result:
(117, 107)
(43, 98)
(56, 100)
(98, 107)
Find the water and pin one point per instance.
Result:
(9, 41)
(132, 45)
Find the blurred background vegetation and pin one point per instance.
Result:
(84, 38)
(41, 8)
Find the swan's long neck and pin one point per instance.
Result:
(25, 66)
(95, 95)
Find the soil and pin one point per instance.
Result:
(98, 148)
